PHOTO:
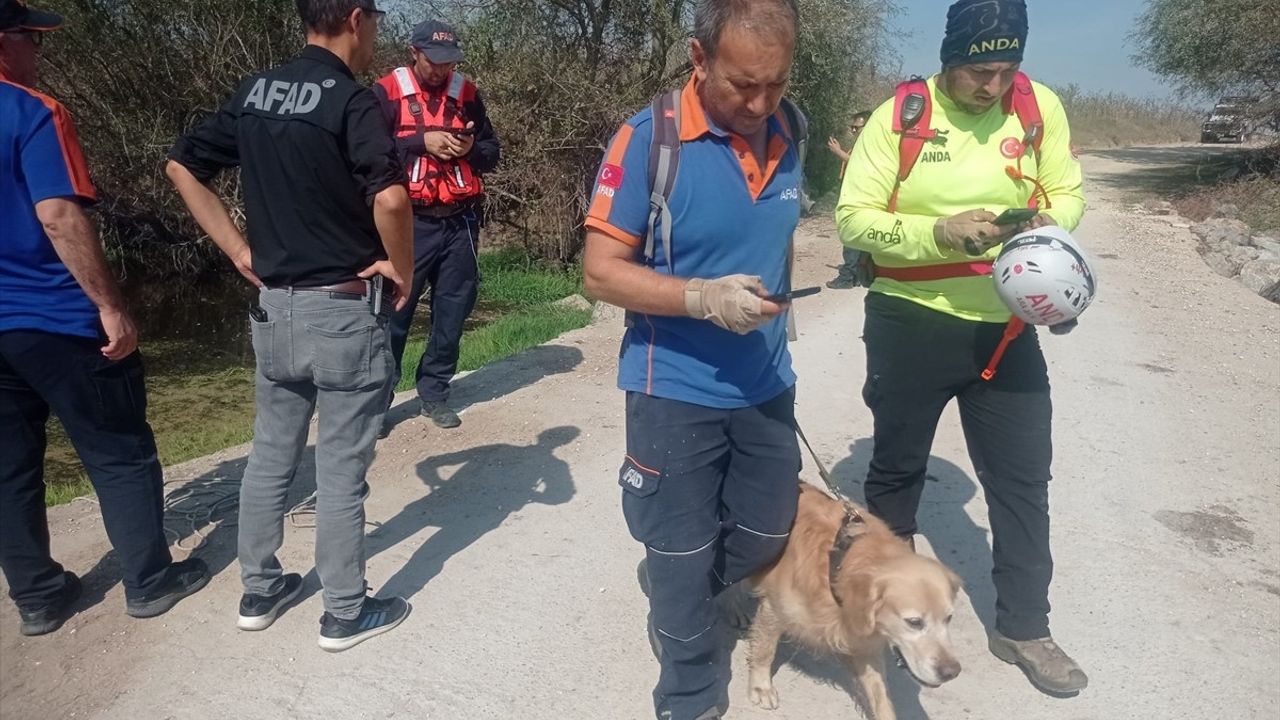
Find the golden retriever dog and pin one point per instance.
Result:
(882, 595)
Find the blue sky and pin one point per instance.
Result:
(1080, 41)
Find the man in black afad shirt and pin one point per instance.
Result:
(445, 139)
(328, 223)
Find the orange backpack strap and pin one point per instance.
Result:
(912, 112)
(1021, 101)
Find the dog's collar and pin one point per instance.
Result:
(850, 529)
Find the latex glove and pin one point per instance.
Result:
(971, 232)
(733, 302)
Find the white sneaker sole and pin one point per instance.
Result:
(262, 622)
(340, 644)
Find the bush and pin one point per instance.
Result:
(135, 75)
(559, 77)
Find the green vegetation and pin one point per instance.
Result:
(200, 392)
(1212, 48)
(514, 312)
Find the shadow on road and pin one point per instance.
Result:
(488, 484)
(500, 378)
(208, 506)
(1172, 170)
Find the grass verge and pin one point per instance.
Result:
(200, 392)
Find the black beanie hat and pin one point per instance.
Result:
(981, 31)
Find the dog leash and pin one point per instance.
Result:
(822, 469)
(846, 534)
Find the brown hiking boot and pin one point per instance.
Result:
(1046, 665)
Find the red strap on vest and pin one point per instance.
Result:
(1021, 101)
(1011, 332)
(911, 140)
(925, 273)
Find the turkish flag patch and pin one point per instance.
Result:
(611, 176)
(1011, 148)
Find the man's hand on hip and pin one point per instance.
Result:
(243, 260)
(971, 232)
(400, 287)
(733, 302)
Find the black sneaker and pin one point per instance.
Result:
(182, 579)
(440, 414)
(376, 617)
(44, 620)
(257, 612)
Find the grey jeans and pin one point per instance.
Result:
(314, 352)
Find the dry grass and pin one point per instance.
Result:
(1101, 120)
(1257, 196)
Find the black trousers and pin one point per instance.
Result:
(919, 359)
(712, 495)
(103, 407)
(445, 260)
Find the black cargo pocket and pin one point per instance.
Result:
(871, 390)
(342, 359)
(121, 392)
(637, 479)
(264, 346)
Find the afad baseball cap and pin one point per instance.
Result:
(16, 16)
(437, 41)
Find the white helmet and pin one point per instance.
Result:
(1044, 278)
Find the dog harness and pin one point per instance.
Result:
(851, 528)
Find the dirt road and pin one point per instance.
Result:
(508, 539)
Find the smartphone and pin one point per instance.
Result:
(465, 131)
(789, 296)
(1016, 216)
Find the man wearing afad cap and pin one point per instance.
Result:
(446, 143)
(67, 344)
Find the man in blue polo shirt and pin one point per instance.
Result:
(709, 477)
(67, 343)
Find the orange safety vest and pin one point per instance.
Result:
(433, 181)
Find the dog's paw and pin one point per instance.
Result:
(766, 696)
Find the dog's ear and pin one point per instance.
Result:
(954, 579)
(875, 599)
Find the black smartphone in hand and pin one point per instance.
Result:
(789, 296)
(1015, 216)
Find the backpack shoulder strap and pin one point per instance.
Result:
(1021, 100)
(798, 128)
(664, 160)
(912, 113)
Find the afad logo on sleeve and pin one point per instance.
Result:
(610, 179)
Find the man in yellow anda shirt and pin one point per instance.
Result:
(933, 319)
